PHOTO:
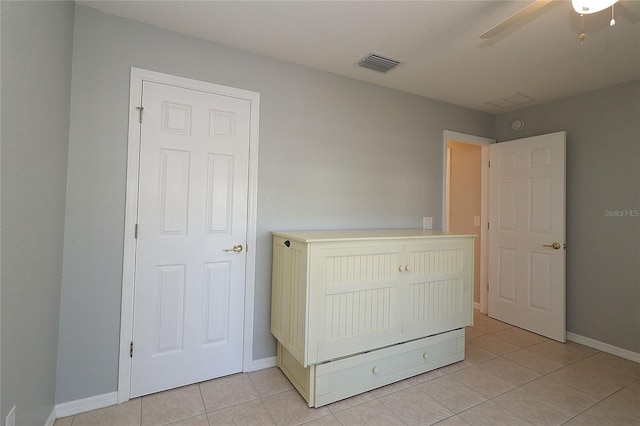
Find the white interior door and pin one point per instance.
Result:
(527, 234)
(192, 213)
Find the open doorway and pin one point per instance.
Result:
(464, 199)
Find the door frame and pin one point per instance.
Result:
(131, 213)
(484, 193)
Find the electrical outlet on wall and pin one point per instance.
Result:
(427, 222)
(10, 420)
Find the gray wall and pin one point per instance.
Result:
(334, 153)
(36, 80)
(603, 163)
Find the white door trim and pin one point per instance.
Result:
(131, 213)
(484, 184)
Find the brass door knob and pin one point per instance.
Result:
(237, 249)
(555, 246)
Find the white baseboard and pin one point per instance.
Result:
(260, 364)
(604, 347)
(72, 408)
(476, 305)
(52, 417)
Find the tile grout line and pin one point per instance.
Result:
(598, 401)
(204, 406)
(261, 397)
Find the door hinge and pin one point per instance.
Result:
(489, 161)
(131, 350)
(140, 110)
(488, 226)
(135, 232)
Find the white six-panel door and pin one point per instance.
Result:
(192, 213)
(527, 234)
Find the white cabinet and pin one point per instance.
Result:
(355, 310)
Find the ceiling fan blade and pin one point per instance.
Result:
(519, 16)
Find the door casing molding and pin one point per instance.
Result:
(484, 213)
(131, 212)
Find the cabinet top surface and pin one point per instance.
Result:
(363, 234)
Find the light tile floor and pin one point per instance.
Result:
(510, 377)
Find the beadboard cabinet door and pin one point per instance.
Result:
(360, 289)
(439, 296)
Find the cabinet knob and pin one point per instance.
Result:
(400, 268)
(425, 355)
(406, 268)
(375, 370)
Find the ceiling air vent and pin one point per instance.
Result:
(378, 63)
(509, 100)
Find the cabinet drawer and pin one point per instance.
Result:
(342, 378)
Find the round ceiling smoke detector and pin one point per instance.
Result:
(517, 125)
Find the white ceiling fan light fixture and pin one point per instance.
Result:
(582, 7)
(587, 7)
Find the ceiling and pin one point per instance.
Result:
(437, 42)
